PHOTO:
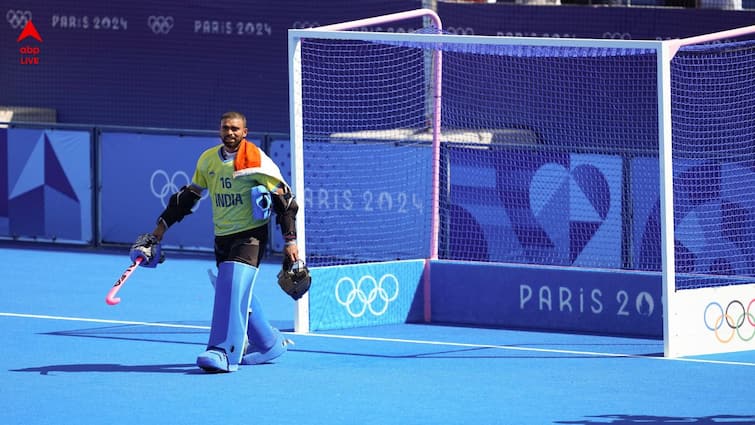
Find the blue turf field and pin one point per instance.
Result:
(68, 358)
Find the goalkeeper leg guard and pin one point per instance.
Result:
(233, 293)
(265, 342)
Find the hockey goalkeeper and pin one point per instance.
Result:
(245, 185)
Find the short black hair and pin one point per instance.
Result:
(233, 115)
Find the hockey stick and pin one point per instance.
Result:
(110, 298)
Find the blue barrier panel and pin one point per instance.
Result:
(4, 221)
(551, 207)
(705, 204)
(365, 294)
(646, 223)
(384, 213)
(279, 150)
(47, 195)
(139, 173)
(547, 298)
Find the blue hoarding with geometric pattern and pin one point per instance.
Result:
(47, 185)
(710, 221)
(555, 208)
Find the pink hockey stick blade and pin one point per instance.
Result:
(111, 299)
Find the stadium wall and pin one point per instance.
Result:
(163, 64)
(96, 186)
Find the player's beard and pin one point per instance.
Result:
(231, 143)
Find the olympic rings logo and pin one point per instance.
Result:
(617, 35)
(160, 24)
(163, 186)
(358, 300)
(18, 18)
(734, 316)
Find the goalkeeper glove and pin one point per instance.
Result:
(147, 247)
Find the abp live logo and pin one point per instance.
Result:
(29, 52)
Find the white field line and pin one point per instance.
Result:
(393, 340)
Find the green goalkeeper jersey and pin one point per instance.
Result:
(230, 197)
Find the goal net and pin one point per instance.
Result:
(589, 154)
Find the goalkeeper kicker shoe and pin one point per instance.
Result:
(214, 361)
(253, 354)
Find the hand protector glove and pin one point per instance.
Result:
(147, 247)
(294, 278)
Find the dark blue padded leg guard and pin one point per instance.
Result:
(265, 342)
(233, 294)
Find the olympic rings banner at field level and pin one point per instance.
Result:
(734, 320)
(711, 320)
(365, 294)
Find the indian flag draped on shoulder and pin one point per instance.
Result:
(252, 161)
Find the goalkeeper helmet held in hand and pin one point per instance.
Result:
(294, 278)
